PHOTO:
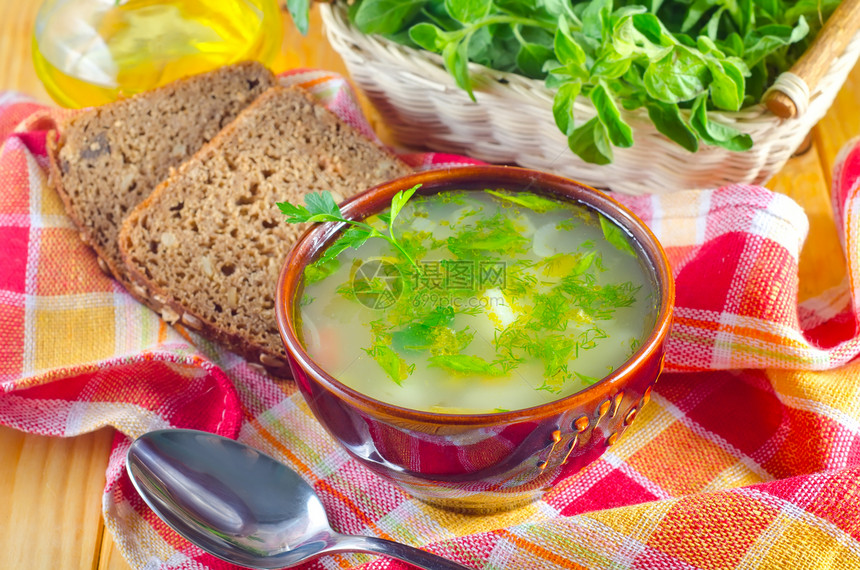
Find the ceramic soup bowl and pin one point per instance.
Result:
(479, 462)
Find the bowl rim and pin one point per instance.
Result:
(377, 198)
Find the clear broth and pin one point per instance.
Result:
(510, 305)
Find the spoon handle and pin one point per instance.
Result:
(381, 546)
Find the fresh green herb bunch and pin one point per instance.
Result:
(321, 207)
(679, 59)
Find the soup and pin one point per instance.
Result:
(493, 301)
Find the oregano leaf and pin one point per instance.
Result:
(590, 142)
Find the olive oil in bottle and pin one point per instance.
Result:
(90, 52)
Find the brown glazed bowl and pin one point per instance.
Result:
(477, 462)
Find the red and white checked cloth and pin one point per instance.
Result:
(748, 454)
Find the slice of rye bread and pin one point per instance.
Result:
(210, 241)
(107, 159)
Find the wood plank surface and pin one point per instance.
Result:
(50, 488)
(50, 500)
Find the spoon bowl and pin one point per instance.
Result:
(243, 506)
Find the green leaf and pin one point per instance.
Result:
(616, 236)
(695, 12)
(528, 200)
(655, 5)
(353, 237)
(322, 203)
(323, 218)
(714, 133)
(812, 10)
(399, 200)
(455, 56)
(321, 207)
(713, 26)
(737, 65)
(431, 332)
(727, 86)
(767, 39)
(586, 378)
(554, 8)
(620, 133)
(611, 65)
(429, 37)
(707, 46)
(485, 49)
(468, 11)
(385, 16)
(465, 364)
(563, 105)
(318, 270)
(567, 51)
(584, 263)
(623, 14)
(628, 41)
(679, 76)
(415, 337)
(392, 363)
(668, 120)
(733, 45)
(652, 28)
(531, 59)
(299, 10)
(590, 142)
(295, 214)
(595, 18)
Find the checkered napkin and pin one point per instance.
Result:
(747, 456)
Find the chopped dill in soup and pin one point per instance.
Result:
(477, 302)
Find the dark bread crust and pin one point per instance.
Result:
(105, 160)
(209, 242)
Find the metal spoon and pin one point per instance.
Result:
(243, 506)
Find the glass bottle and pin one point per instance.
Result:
(90, 52)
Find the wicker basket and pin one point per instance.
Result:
(512, 123)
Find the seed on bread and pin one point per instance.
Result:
(192, 321)
(103, 266)
(270, 361)
(169, 315)
(140, 291)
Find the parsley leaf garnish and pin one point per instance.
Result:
(321, 207)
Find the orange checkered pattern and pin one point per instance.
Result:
(747, 455)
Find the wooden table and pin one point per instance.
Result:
(51, 488)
